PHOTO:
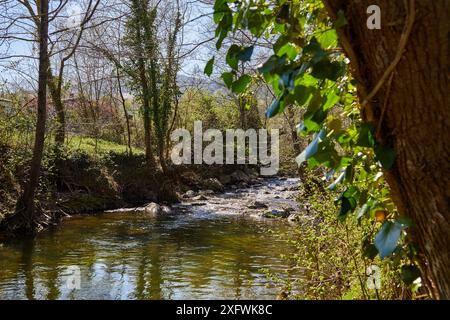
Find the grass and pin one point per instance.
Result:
(91, 146)
(74, 142)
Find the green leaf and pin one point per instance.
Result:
(366, 137)
(222, 36)
(332, 99)
(245, 54)
(385, 155)
(219, 4)
(289, 50)
(363, 210)
(272, 64)
(348, 202)
(325, 69)
(276, 106)
(302, 94)
(341, 19)
(241, 84)
(370, 251)
(337, 181)
(405, 221)
(209, 67)
(410, 273)
(387, 238)
(311, 149)
(328, 39)
(315, 51)
(228, 79)
(231, 57)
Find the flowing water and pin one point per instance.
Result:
(210, 250)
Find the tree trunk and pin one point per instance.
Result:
(146, 114)
(290, 119)
(413, 115)
(125, 112)
(25, 212)
(139, 10)
(55, 92)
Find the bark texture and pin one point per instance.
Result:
(25, 218)
(412, 111)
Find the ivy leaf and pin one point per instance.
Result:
(241, 84)
(370, 251)
(311, 149)
(227, 79)
(222, 36)
(231, 58)
(341, 19)
(272, 64)
(314, 50)
(224, 26)
(328, 39)
(219, 4)
(387, 238)
(245, 54)
(330, 174)
(283, 14)
(385, 155)
(289, 50)
(337, 181)
(348, 202)
(410, 273)
(302, 94)
(363, 210)
(273, 108)
(325, 69)
(366, 137)
(332, 99)
(209, 67)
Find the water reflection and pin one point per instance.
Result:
(126, 256)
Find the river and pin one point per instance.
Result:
(211, 249)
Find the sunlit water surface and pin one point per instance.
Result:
(194, 255)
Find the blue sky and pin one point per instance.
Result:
(194, 33)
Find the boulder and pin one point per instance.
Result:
(294, 217)
(197, 204)
(279, 213)
(213, 184)
(226, 179)
(206, 192)
(257, 205)
(190, 178)
(166, 210)
(153, 210)
(189, 194)
(200, 198)
(239, 176)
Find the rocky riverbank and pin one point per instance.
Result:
(264, 198)
(86, 185)
(259, 198)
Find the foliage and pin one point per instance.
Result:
(308, 69)
(331, 258)
(152, 75)
(214, 110)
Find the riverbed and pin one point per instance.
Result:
(216, 247)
